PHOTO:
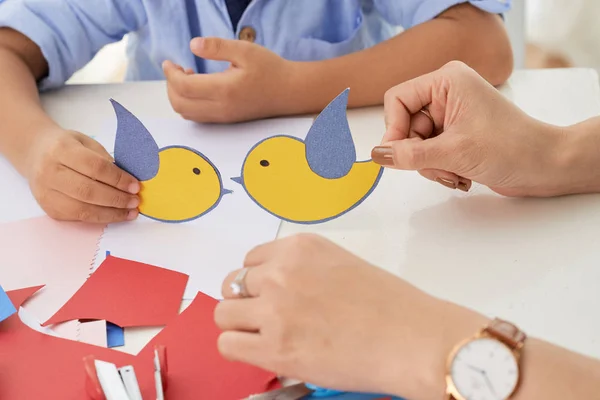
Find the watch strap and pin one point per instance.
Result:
(506, 332)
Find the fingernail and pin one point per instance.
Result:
(165, 64)
(446, 182)
(132, 214)
(383, 155)
(134, 188)
(133, 203)
(463, 184)
(198, 43)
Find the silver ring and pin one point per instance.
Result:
(238, 286)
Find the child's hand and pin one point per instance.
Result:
(74, 178)
(255, 85)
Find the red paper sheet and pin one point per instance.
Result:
(38, 366)
(196, 369)
(126, 293)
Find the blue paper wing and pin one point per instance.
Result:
(135, 149)
(330, 149)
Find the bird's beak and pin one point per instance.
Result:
(227, 191)
(238, 179)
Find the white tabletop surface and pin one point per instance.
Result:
(534, 262)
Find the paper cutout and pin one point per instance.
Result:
(196, 369)
(44, 251)
(93, 332)
(330, 148)
(310, 181)
(179, 184)
(115, 335)
(38, 366)
(6, 306)
(135, 149)
(140, 295)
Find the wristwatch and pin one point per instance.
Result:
(486, 366)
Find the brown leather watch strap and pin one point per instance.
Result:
(506, 332)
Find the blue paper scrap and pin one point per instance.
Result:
(115, 336)
(330, 150)
(135, 149)
(6, 306)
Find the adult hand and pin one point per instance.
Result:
(320, 314)
(255, 85)
(474, 133)
(74, 178)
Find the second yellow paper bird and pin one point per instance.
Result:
(314, 180)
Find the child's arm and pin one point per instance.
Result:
(42, 44)
(463, 33)
(71, 175)
(262, 84)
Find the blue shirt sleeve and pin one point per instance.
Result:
(408, 13)
(71, 32)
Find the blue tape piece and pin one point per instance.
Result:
(330, 150)
(135, 149)
(6, 306)
(115, 335)
(107, 253)
(320, 393)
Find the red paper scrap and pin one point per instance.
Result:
(196, 368)
(39, 366)
(126, 293)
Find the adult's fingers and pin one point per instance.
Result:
(238, 315)
(59, 205)
(99, 168)
(448, 179)
(261, 253)
(87, 190)
(402, 102)
(244, 347)
(416, 154)
(252, 280)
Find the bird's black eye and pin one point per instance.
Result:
(264, 163)
(196, 171)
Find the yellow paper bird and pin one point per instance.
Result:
(179, 184)
(314, 180)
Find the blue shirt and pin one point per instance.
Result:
(71, 32)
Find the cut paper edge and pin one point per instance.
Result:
(136, 150)
(330, 149)
(143, 295)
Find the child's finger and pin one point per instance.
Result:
(60, 206)
(214, 48)
(87, 190)
(195, 86)
(99, 168)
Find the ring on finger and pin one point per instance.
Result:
(238, 286)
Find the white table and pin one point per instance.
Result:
(534, 262)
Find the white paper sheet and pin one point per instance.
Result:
(208, 248)
(17, 201)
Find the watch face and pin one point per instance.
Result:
(484, 369)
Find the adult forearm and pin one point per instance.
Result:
(21, 115)
(547, 371)
(461, 33)
(579, 160)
